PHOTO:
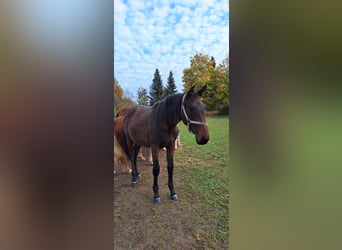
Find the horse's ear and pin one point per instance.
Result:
(200, 92)
(191, 91)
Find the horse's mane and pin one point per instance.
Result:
(167, 110)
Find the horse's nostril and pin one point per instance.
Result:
(204, 140)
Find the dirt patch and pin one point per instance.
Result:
(141, 224)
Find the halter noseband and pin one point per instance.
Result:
(188, 120)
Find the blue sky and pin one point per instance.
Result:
(164, 34)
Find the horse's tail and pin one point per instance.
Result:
(119, 131)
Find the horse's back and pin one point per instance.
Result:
(122, 111)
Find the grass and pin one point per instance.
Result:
(205, 169)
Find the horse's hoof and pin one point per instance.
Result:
(134, 183)
(174, 197)
(139, 176)
(157, 200)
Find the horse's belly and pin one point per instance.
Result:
(140, 137)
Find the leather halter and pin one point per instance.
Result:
(188, 120)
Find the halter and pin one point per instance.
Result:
(188, 120)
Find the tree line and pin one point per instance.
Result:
(121, 99)
(203, 70)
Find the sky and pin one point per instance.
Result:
(165, 34)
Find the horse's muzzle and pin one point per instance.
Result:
(203, 141)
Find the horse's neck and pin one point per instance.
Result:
(177, 113)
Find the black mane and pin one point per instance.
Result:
(167, 111)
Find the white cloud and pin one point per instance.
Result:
(164, 35)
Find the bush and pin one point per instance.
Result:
(224, 111)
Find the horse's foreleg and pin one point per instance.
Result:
(156, 169)
(169, 156)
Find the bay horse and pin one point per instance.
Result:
(122, 112)
(156, 127)
(119, 153)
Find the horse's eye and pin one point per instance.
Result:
(192, 109)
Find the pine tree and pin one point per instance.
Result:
(171, 86)
(156, 89)
(212, 60)
(142, 96)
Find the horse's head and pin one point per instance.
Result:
(193, 115)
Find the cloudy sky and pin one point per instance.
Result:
(164, 34)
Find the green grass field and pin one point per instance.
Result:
(206, 169)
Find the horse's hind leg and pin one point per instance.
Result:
(135, 173)
(125, 164)
(156, 169)
(169, 156)
(140, 155)
(150, 160)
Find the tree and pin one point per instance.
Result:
(226, 62)
(218, 96)
(212, 60)
(118, 94)
(199, 72)
(171, 86)
(156, 89)
(121, 99)
(142, 96)
(203, 70)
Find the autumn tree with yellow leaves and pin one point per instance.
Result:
(121, 99)
(203, 70)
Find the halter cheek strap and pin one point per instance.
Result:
(188, 120)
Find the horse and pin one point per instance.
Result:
(140, 155)
(122, 112)
(119, 153)
(156, 127)
(178, 142)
